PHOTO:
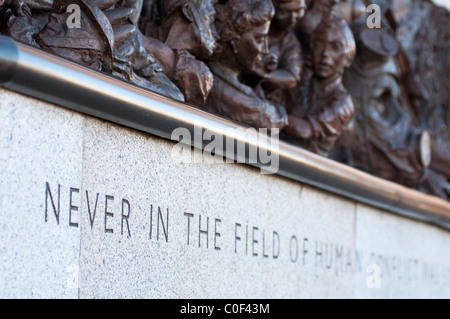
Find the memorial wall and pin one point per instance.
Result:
(90, 209)
(224, 149)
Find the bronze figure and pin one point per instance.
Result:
(385, 138)
(17, 21)
(90, 45)
(351, 10)
(314, 14)
(318, 10)
(243, 26)
(423, 31)
(132, 62)
(187, 25)
(317, 124)
(382, 140)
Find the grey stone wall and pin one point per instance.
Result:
(90, 209)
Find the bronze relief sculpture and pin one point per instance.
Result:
(184, 36)
(132, 62)
(311, 68)
(316, 124)
(243, 27)
(382, 141)
(91, 45)
(108, 40)
(17, 21)
(284, 67)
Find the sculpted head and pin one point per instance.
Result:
(288, 13)
(333, 47)
(243, 26)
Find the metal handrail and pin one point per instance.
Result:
(42, 75)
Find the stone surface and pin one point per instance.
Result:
(38, 144)
(143, 225)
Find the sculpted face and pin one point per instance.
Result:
(329, 53)
(251, 47)
(288, 13)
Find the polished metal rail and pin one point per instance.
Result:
(33, 72)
